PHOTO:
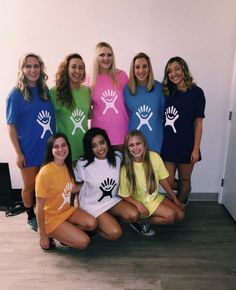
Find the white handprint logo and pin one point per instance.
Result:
(77, 118)
(66, 194)
(171, 116)
(144, 114)
(43, 120)
(109, 97)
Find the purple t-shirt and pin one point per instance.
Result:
(108, 109)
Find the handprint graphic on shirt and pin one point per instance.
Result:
(171, 116)
(106, 187)
(66, 194)
(109, 97)
(43, 120)
(144, 114)
(77, 118)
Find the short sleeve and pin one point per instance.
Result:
(158, 166)
(41, 185)
(12, 107)
(200, 103)
(123, 188)
(79, 171)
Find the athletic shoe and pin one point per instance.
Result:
(32, 223)
(143, 229)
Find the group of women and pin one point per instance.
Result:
(91, 177)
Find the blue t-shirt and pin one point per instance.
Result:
(182, 109)
(146, 111)
(34, 121)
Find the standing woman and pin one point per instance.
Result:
(30, 121)
(145, 101)
(55, 184)
(71, 102)
(184, 113)
(107, 84)
(99, 170)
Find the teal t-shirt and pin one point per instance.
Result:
(73, 123)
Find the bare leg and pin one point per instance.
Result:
(108, 227)
(125, 211)
(166, 213)
(71, 235)
(28, 175)
(184, 172)
(83, 220)
(171, 168)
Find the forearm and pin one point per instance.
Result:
(41, 216)
(197, 134)
(166, 186)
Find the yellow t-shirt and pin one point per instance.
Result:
(54, 184)
(150, 201)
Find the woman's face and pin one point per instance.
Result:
(176, 74)
(76, 71)
(105, 59)
(99, 147)
(136, 148)
(60, 150)
(141, 71)
(32, 70)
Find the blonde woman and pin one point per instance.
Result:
(141, 174)
(30, 121)
(107, 84)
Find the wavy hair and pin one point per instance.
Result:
(95, 68)
(168, 87)
(22, 83)
(128, 164)
(132, 83)
(64, 92)
(49, 156)
(88, 150)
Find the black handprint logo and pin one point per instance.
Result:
(106, 187)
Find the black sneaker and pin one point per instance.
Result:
(32, 223)
(143, 229)
(52, 245)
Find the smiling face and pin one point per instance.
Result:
(176, 74)
(32, 70)
(60, 150)
(141, 71)
(99, 147)
(136, 148)
(76, 71)
(105, 59)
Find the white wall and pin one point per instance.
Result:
(203, 32)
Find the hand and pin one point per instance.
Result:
(194, 156)
(144, 212)
(44, 242)
(178, 203)
(20, 160)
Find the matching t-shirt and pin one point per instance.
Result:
(74, 124)
(34, 121)
(146, 109)
(54, 183)
(150, 201)
(108, 108)
(99, 192)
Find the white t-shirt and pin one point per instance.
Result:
(99, 192)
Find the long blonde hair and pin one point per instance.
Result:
(95, 69)
(22, 83)
(128, 164)
(132, 83)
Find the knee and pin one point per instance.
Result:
(132, 216)
(83, 242)
(115, 234)
(91, 224)
(180, 216)
(185, 185)
(171, 217)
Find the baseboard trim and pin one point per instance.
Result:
(204, 196)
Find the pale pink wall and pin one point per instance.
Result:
(203, 32)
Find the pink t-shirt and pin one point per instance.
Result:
(108, 108)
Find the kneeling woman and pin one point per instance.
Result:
(99, 170)
(141, 174)
(54, 187)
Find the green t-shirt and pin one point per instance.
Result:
(150, 201)
(74, 123)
